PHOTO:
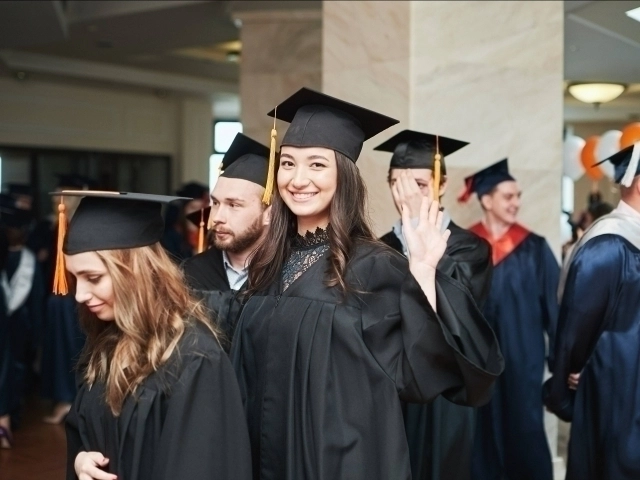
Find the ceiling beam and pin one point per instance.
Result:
(66, 67)
(78, 11)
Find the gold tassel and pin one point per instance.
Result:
(268, 188)
(437, 162)
(60, 277)
(201, 232)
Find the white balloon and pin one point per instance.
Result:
(608, 145)
(571, 164)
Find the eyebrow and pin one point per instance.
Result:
(89, 272)
(310, 157)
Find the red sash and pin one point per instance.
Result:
(502, 247)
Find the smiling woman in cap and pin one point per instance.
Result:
(339, 329)
(158, 398)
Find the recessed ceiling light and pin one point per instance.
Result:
(635, 14)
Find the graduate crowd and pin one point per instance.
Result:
(297, 345)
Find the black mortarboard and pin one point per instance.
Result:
(246, 159)
(319, 120)
(107, 221)
(20, 189)
(73, 180)
(199, 215)
(626, 164)
(193, 190)
(486, 180)
(114, 220)
(417, 150)
(11, 215)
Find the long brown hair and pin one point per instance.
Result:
(348, 223)
(152, 306)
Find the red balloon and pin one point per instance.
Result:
(588, 159)
(630, 135)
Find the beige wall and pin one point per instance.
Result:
(445, 67)
(281, 52)
(42, 114)
(368, 62)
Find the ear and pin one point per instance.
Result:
(486, 201)
(266, 216)
(443, 185)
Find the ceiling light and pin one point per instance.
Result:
(596, 93)
(635, 14)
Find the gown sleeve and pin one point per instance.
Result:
(204, 433)
(548, 278)
(469, 262)
(74, 440)
(454, 352)
(591, 286)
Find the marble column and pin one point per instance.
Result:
(196, 141)
(488, 72)
(281, 52)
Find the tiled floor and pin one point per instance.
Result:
(40, 450)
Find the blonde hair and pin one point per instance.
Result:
(152, 307)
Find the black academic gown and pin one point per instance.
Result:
(599, 335)
(185, 423)
(511, 443)
(6, 362)
(323, 376)
(440, 434)
(24, 331)
(207, 278)
(63, 340)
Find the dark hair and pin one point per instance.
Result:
(348, 224)
(600, 209)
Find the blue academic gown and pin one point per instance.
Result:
(599, 335)
(510, 438)
(5, 361)
(63, 342)
(23, 331)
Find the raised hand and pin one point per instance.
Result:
(88, 466)
(425, 241)
(407, 193)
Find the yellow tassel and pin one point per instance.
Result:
(437, 162)
(60, 277)
(201, 232)
(268, 188)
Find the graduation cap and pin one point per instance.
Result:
(11, 215)
(421, 150)
(193, 190)
(246, 159)
(319, 120)
(20, 189)
(75, 181)
(107, 221)
(486, 180)
(626, 164)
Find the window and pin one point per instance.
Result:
(223, 134)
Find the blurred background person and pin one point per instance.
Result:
(180, 238)
(521, 307)
(23, 293)
(63, 339)
(238, 220)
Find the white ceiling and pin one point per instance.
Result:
(602, 44)
(182, 45)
